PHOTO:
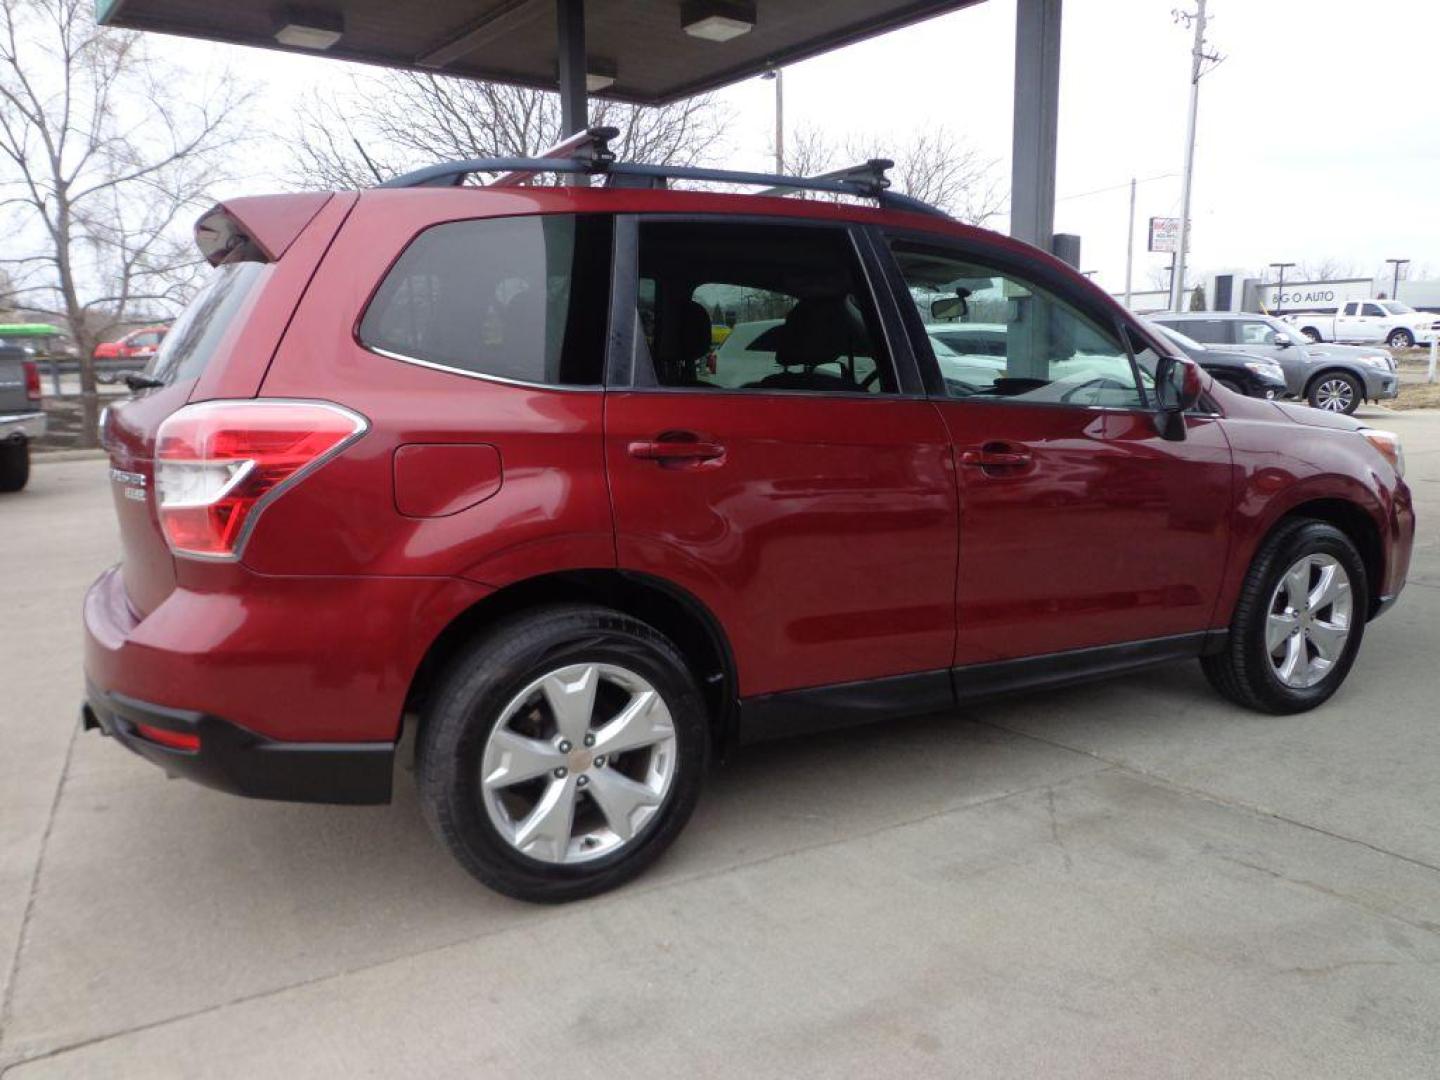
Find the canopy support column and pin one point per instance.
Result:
(1037, 109)
(570, 57)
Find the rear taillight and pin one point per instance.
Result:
(218, 464)
(32, 380)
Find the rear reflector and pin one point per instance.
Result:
(218, 464)
(176, 740)
(32, 380)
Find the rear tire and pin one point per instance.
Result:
(510, 760)
(1273, 625)
(14, 465)
(1400, 338)
(1336, 391)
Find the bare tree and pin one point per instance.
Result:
(386, 124)
(1158, 276)
(1325, 269)
(932, 166)
(100, 159)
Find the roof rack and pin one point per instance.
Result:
(588, 152)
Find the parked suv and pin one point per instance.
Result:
(1336, 378)
(453, 459)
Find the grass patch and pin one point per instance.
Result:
(1417, 396)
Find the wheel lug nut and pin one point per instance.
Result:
(564, 746)
(560, 773)
(589, 740)
(599, 761)
(581, 781)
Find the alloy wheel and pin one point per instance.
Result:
(1335, 395)
(579, 763)
(1309, 620)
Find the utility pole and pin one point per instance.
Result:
(1198, 60)
(778, 75)
(1130, 244)
(1280, 286)
(1395, 288)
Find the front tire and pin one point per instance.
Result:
(562, 752)
(1400, 338)
(14, 465)
(1336, 391)
(1298, 623)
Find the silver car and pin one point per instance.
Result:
(1333, 377)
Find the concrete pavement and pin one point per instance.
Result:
(1131, 878)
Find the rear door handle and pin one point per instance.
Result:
(678, 447)
(996, 456)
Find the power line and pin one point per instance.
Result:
(1116, 187)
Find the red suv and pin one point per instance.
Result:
(458, 460)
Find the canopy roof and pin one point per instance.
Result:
(641, 44)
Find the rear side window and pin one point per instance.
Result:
(520, 298)
(197, 333)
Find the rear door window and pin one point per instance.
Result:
(523, 299)
(1205, 331)
(793, 302)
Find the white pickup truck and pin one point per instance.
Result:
(1361, 322)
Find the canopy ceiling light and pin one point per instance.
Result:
(717, 20)
(599, 75)
(308, 28)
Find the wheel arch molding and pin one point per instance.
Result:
(669, 608)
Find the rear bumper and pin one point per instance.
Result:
(22, 426)
(295, 686)
(229, 758)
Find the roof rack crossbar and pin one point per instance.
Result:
(864, 181)
(589, 147)
(869, 174)
(586, 151)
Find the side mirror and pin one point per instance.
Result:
(1177, 389)
(1283, 341)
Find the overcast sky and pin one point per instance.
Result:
(1319, 134)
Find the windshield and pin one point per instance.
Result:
(1394, 307)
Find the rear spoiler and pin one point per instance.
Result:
(256, 228)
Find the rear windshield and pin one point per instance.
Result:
(197, 333)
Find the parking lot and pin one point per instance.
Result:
(1129, 878)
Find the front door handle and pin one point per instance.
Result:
(997, 455)
(677, 447)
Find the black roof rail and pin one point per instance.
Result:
(588, 152)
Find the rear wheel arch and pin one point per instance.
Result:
(671, 610)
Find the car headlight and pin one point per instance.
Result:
(1266, 369)
(1376, 362)
(1388, 443)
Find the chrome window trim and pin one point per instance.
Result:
(482, 376)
